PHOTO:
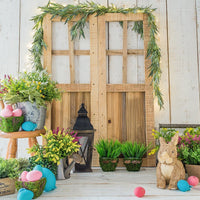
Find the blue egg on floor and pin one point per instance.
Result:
(25, 194)
(51, 179)
(183, 186)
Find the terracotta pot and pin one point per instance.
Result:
(193, 170)
(7, 186)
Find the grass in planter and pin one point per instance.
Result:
(108, 149)
(134, 150)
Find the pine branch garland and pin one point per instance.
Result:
(89, 8)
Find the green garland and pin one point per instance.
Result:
(85, 9)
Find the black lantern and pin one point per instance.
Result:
(85, 130)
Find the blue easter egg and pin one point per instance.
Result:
(51, 179)
(25, 194)
(38, 168)
(29, 126)
(183, 186)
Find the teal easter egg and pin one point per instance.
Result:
(51, 179)
(29, 126)
(25, 194)
(183, 186)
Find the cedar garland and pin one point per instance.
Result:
(85, 9)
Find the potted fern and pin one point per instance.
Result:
(133, 154)
(109, 152)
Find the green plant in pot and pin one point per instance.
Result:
(109, 152)
(9, 172)
(133, 154)
(31, 92)
(189, 151)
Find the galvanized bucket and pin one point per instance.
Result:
(33, 113)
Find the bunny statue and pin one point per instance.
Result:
(169, 169)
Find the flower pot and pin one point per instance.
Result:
(7, 186)
(10, 124)
(36, 187)
(33, 113)
(108, 164)
(133, 164)
(193, 170)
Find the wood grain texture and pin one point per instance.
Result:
(183, 62)
(12, 148)
(114, 116)
(125, 57)
(47, 36)
(135, 117)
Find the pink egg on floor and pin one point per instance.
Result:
(6, 113)
(139, 191)
(17, 113)
(9, 107)
(23, 176)
(34, 175)
(193, 180)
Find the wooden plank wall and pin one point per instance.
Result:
(179, 39)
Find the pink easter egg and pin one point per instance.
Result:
(6, 113)
(193, 180)
(17, 113)
(139, 191)
(23, 176)
(34, 175)
(9, 107)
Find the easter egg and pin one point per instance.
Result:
(193, 180)
(23, 176)
(34, 175)
(51, 179)
(139, 191)
(6, 113)
(25, 194)
(183, 186)
(29, 126)
(17, 113)
(9, 107)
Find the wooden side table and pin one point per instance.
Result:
(12, 145)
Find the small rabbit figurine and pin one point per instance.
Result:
(169, 169)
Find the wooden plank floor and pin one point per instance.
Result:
(117, 185)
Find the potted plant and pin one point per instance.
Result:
(9, 172)
(31, 91)
(133, 154)
(189, 151)
(109, 152)
(59, 145)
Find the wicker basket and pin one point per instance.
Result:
(36, 187)
(11, 124)
(7, 186)
(108, 164)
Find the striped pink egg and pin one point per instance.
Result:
(34, 175)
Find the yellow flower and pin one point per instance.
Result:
(40, 91)
(39, 83)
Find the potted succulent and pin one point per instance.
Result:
(189, 151)
(9, 172)
(59, 145)
(31, 92)
(109, 152)
(133, 154)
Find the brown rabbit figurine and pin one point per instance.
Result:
(169, 169)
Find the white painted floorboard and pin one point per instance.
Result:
(117, 185)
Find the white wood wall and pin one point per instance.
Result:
(179, 40)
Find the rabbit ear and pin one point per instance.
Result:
(174, 139)
(162, 141)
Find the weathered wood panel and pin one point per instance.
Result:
(183, 61)
(9, 46)
(135, 117)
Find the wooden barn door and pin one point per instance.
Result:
(118, 111)
(125, 110)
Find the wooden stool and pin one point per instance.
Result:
(12, 145)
